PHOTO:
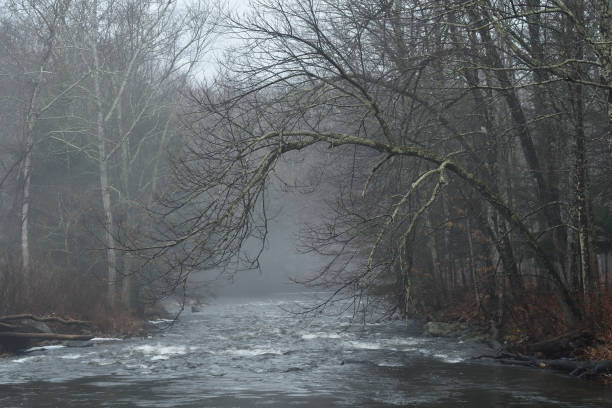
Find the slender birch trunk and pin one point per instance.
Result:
(25, 205)
(109, 225)
(126, 281)
(31, 117)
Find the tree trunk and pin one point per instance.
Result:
(553, 136)
(588, 268)
(124, 139)
(31, 117)
(25, 209)
(604, 10)
(109, 225)
(588, 259)
(435, 259)
(471, 263)
(605, 268)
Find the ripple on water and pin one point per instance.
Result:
(254, 354)
(71, 356)
(27, 359)
(257, 351)
(363, 345)
(44, 348)
(162, 352)
(320, 335)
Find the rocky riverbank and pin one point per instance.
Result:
(568, 353)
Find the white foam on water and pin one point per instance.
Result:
(320, 335)
(26, 359)
(363, 345)
(42, 348)
(448, 359)
(103, 339)
(389, 364)
(407, 341)
(71, 356)
(161, 352)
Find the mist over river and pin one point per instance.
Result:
(245, 353)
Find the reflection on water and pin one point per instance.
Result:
(254, 353)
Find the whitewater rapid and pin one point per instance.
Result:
(244, 353)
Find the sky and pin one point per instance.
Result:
(222, 42)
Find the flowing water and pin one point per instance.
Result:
(254, 353)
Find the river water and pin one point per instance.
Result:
(250, 353)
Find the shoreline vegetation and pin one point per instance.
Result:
(585, 353)
(572, 353)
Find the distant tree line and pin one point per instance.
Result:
(88, 110)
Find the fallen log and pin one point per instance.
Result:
(565, 345)
(7, 326)
(44, 319)
(46, 336)
(20, 331)
(575, 368)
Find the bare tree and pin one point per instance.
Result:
(41, 22)
(475, 115)
(155, 42)
(102, 79)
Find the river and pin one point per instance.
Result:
(250, 353)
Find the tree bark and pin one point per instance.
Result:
(109, 226)
(435, 259)
(25, 207)
(124, 139)
(32, 115)
(471, 263)
(604, 10)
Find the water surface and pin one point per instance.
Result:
(250, 353)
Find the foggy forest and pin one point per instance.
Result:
(455, 158)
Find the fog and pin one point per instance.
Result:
(298, 196)
(281, 262)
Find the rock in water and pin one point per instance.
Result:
(441, 329)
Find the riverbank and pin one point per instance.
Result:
(19, 332)
(580, 354)
(48, 330)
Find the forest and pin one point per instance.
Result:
(462, 152)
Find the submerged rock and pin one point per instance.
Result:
(441, 329)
